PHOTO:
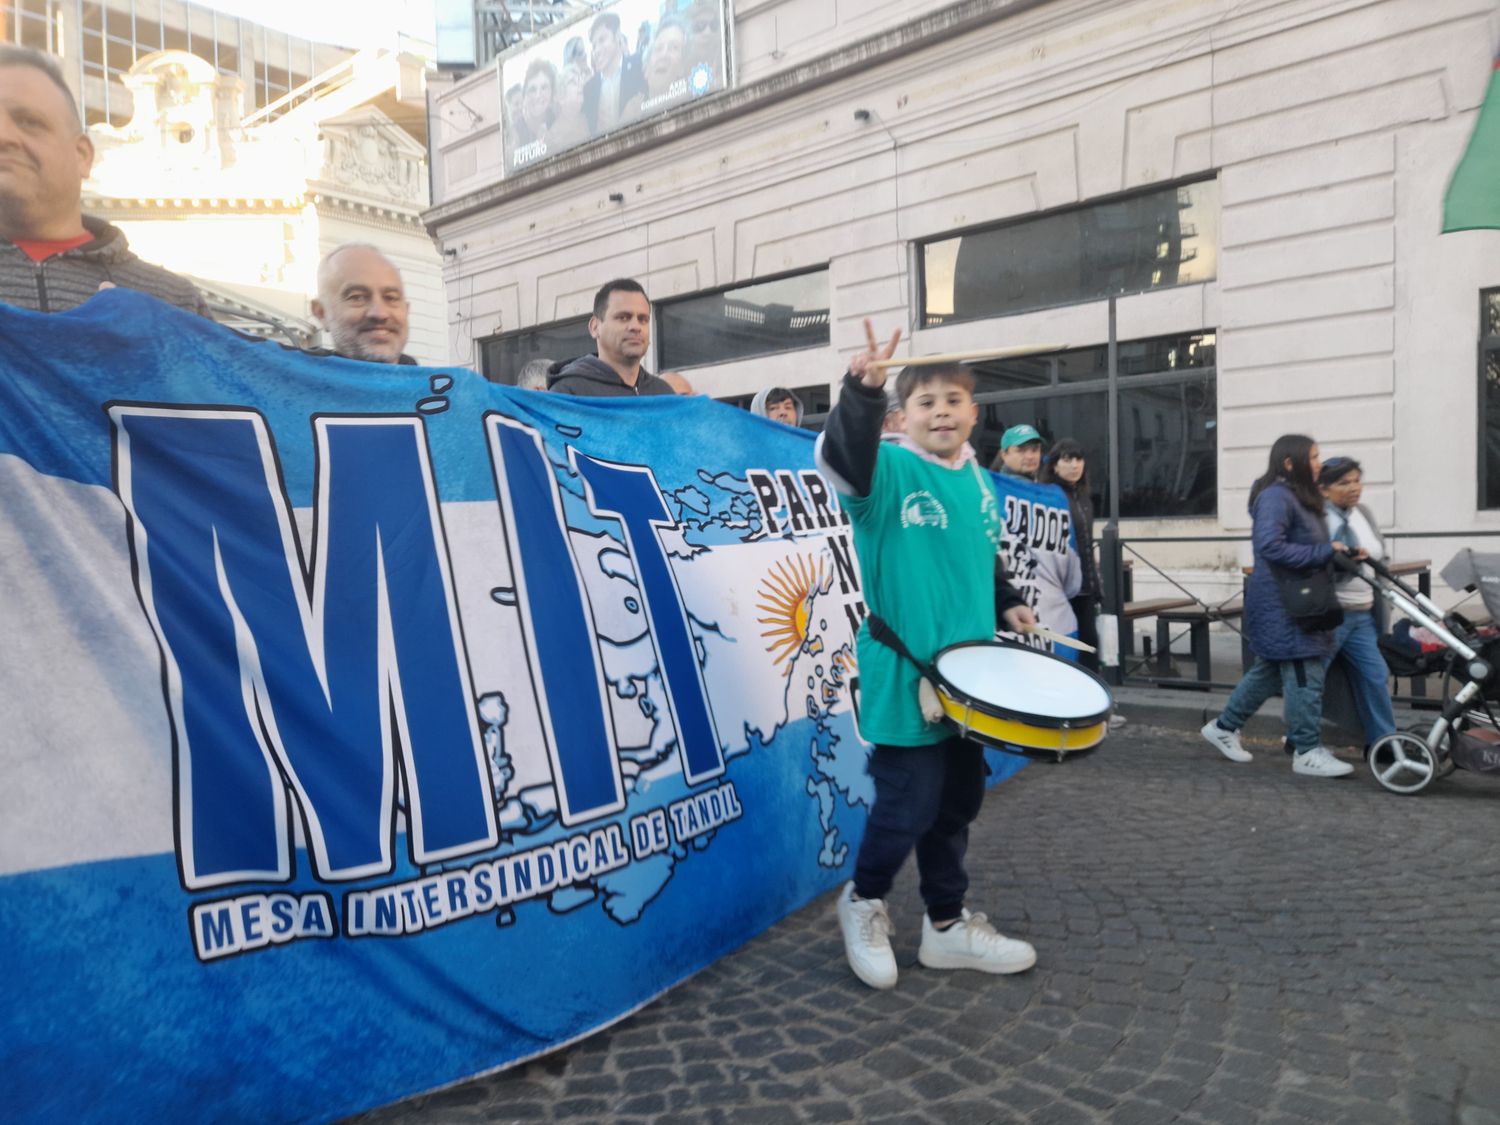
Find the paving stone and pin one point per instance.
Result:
(643, 1105)
(936, 1085)
(1117, 1080)
(603, 1084)
(791, 1062)
(833, 1112)
(1173, 1094)
(580, 1109)
(887, 1103)
(1189, 970)
(757, 1115)
(650, 1078)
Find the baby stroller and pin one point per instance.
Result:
(1467, 733)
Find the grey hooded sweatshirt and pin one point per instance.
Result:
(758, 403)
(590, 377)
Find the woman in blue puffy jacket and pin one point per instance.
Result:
(1291, 537)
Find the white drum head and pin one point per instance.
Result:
(1023, 682)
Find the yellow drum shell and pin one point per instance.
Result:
(1009, 696)
(992, 730)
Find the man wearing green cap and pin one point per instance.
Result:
(1020, 453)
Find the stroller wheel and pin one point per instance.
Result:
(1402, 763)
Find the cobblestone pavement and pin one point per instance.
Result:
(1216, 943)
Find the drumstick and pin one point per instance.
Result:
(960, 357)
(1058, 638)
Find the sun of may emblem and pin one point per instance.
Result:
(785, 598)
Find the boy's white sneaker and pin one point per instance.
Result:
(972, 943)
(1227, 742)
(867, 938)
(1318, 762)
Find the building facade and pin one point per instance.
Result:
(98, 42)
(238, 155)
(248, 210)
(1253, 187)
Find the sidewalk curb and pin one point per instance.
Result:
(1185, 710)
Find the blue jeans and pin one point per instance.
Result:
(1355, 641)
(1300, 681)
(925, 798)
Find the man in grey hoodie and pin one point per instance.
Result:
(621, 328)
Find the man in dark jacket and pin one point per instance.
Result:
(53, 258)
(621, 328)
(617, 76)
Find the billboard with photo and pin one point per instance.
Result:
(630, 60)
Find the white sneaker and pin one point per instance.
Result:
(972, 943)
(1117, 720)
(867, 939)
(1227, 742)
(1318, 762)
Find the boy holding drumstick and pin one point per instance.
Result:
(926, 527)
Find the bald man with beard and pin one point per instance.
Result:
(362, 304)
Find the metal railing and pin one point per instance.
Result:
(1117, 578)
(1117, 581)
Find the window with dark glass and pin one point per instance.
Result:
(1151, 240)
(1168, 419)
(778, 315)
(1489, 398)
(502, 357)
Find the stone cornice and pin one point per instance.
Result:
(148, 207)
(855, 59)
(384, 215)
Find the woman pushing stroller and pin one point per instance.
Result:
(1292, 544)
(1356, 640)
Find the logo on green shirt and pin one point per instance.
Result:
(921, 509)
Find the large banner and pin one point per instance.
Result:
(629, 60)
(371, 727)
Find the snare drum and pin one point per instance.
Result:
(1016, 698)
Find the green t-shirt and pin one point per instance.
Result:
(927, 536)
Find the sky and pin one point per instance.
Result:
(348, 23)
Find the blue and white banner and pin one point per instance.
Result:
(371, 727)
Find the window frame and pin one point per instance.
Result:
(485, 342)
(1037, 216)
(1172, 377)
(659, 338)
(1487, 347)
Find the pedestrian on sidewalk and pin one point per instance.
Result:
(927, 526)
(1356, 641)
(1290, 541)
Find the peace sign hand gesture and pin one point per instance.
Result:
(860, 366)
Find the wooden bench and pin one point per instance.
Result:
(1135, 611)
(1198, 618)
(1420, 569)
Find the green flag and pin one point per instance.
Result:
(1473, 199)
